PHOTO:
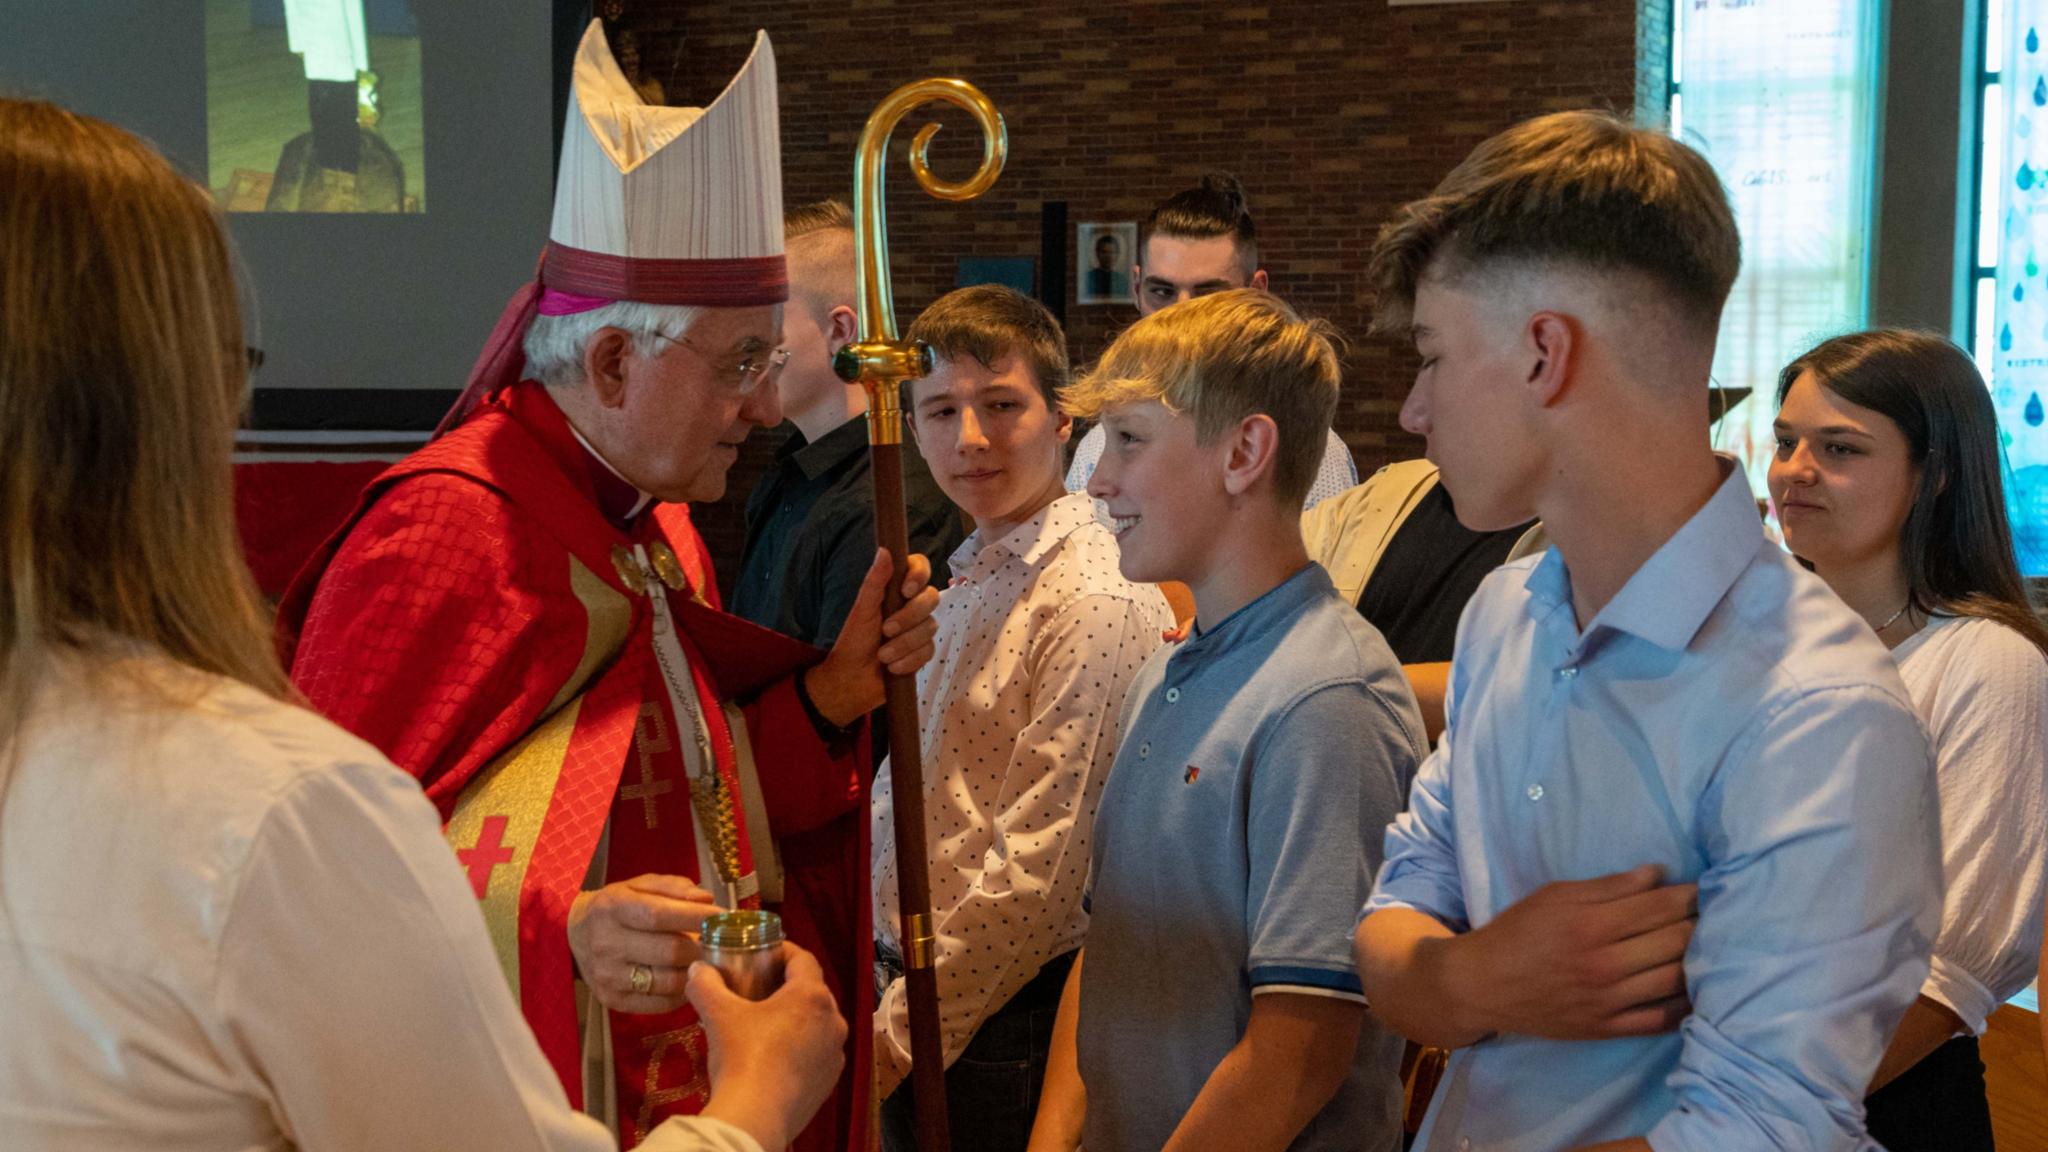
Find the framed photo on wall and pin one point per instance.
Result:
(1104, 253)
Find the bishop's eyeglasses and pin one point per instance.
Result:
(747, 375)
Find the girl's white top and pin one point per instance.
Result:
(227, 924)
(1982, 691)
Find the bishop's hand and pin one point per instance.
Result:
(848, 683)
(629, 940)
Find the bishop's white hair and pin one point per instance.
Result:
(554, 344)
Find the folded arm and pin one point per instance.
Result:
(1577, 960)
(1818, 908)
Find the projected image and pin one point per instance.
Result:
(314, 106)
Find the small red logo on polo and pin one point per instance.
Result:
(1191, 775)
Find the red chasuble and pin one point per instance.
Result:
(485, 623)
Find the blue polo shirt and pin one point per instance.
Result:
(1260, 764)
(1727, 717)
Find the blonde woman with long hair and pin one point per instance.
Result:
(224, 922)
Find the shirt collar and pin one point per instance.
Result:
(1280, 601)
(1669, 598)
(617, 497)
(1030, 541)
(814, 458)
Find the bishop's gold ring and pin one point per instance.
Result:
(641, 977)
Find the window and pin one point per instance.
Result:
(1992, 130)
(2009, 297)
(1782, 97)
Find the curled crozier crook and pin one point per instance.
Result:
(877, 301)
(995, 148)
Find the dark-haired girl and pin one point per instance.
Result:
(1887, 480)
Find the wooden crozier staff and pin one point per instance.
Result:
(882, 364)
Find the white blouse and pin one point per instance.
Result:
(227, 924)
(1981, 689)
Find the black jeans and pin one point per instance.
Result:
(992, 1089)
(1937, 1105)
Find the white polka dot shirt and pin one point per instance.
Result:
(1038, 638)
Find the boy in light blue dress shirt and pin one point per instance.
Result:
(1671, 878)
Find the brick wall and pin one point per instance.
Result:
(1331, 112)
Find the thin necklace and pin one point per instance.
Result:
(1895, 616)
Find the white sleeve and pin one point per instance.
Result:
(1086, 454)
(359, 990)
(1988, 719)
(1336, 474)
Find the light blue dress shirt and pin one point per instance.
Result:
(1726, 717)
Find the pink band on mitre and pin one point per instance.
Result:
(556, 303)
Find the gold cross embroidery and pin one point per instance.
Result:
(693, 1044)
(653, 740)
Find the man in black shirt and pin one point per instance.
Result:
(811, 521)
(1394, 547)
(1431, 567)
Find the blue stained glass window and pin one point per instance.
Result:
(2011, 299)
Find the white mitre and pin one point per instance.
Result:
(641, 182)
(653, 204)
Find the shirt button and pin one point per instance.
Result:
(1535, 791)
(1568, 673)
(1173, 695)
(1144, 750)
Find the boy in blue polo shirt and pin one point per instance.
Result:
(1215, 1004)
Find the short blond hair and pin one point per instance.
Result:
(816, 216)
(1221, 358)
(823, 271)
(1583, 188)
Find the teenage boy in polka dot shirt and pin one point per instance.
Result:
(1038, 638)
